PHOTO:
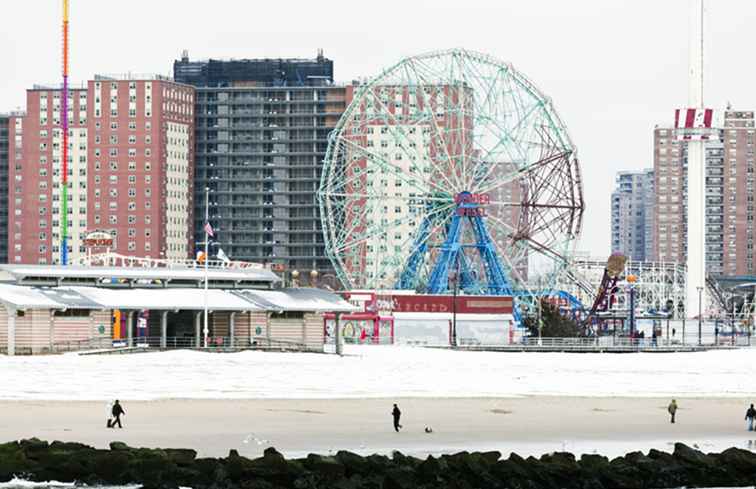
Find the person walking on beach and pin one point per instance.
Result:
(117, 412)
(672, 409)
(396, 414)
(750, 416)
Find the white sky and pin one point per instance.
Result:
(614, 68)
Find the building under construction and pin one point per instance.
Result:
(262, 129)
(254, 72)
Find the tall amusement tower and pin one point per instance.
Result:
(64, 152)
(696, 257)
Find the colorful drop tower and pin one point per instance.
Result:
(64, 126)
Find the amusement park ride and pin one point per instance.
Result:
(452, 170)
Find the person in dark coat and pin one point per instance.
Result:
(672, 409)
(396, 414)
(750, 416)
(117, 412)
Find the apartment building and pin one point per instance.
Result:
(632, 205)
(130, 169)
(729, 194)
(4, 150)
(262, 129)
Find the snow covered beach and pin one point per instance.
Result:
(377, 372)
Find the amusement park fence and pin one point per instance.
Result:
(215, 343)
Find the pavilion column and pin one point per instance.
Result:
(11, 331)
(198, 329)
(231, 328)
(129, 329)
(51, 333)
(337, 326)
(164, 329)
(268, 334)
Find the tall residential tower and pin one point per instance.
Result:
(633, 214)
(262, 129)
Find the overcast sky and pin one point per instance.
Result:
(614, 68)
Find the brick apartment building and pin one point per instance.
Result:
(130, 169)
(729, 195)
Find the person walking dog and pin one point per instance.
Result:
(117, 411)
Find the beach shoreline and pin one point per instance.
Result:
(530, 425)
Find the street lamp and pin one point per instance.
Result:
(455, 281)
(700, 315)
(631, 280)
(294, 277)
(313, 278)
(670, 306)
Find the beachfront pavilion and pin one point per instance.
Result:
(53, 308)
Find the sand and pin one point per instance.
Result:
(529, 426)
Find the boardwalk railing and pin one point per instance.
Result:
(215, 343)
(611, 343)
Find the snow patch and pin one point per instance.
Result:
(375, 372)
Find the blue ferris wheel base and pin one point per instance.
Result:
(452, 257)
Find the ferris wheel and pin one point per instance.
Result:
(450, 169)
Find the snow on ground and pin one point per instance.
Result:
(374, 372)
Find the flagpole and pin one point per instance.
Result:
(207, 256)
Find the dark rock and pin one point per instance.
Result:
(739, 459)
(401, 477)
(491, 457)
(353, 463)
(431, 470)
(181, 456)
(34, 447)
(692, 456)
(37, 460)
(327, 467)
(119, 445)
(621, 475)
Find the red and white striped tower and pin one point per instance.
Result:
(696, 225)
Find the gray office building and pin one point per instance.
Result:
(4, 150)
(262, 129)
(633, 214)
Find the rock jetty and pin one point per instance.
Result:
(38, 460)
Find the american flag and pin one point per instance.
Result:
(209, 229)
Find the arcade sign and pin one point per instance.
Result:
(98, 238)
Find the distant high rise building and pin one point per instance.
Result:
(4, 150)
(262, 130)
(633, 214)
(130, 169)
(729, 194)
